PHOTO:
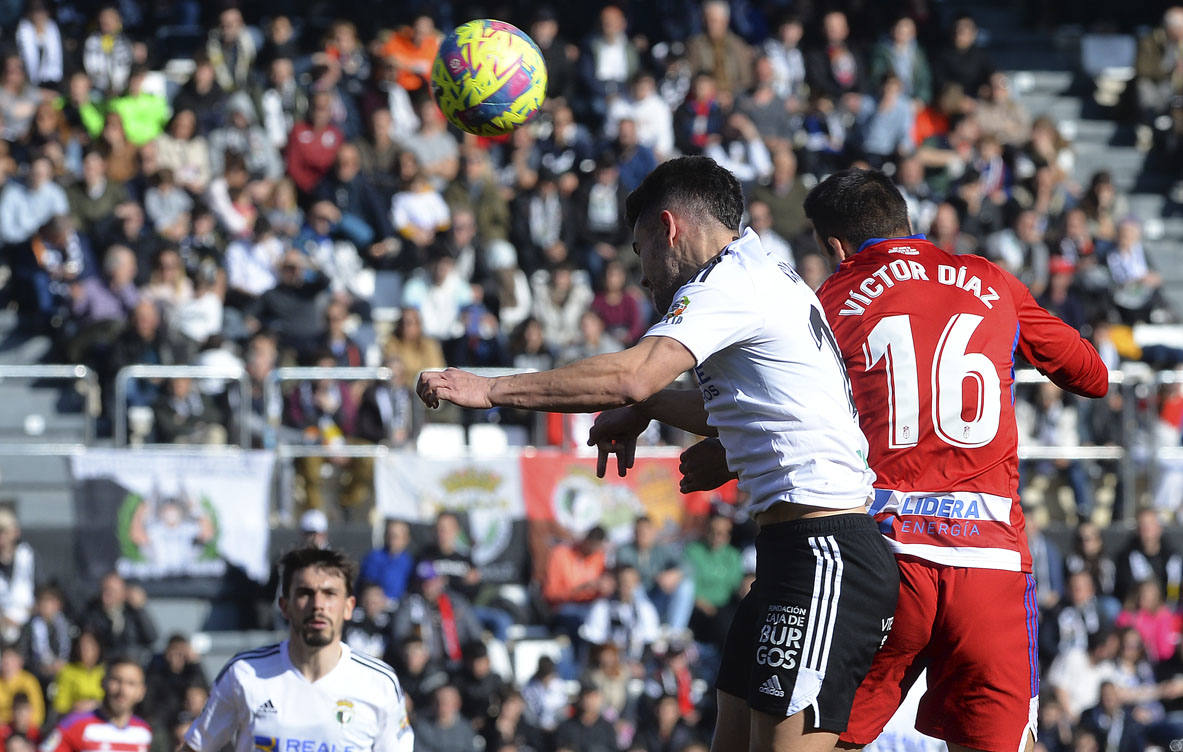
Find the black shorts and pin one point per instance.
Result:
(820, 607)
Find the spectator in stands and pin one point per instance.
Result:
(546, 696)
(368, 630)
(1061, 296)
(202, 95)
(1157, 68)
(574, 577)
(587, 730)
(618, 306)
(337, 342)
(390, 566)
(244, 137)
(901, 56)
(292, 309)
(16, 577)
(1084, 613)
(1088, 556)
(118, 617)
(184, 414)
(625, 618)
(25, 208)
(660, 568)
(388, 413)
(740, 149)
(509, 727)
(1135, 283)
(773, 115)
(418, 214)
(439, 615)
(963, 62)
(700, 117)
(885, 125)
(784, 193)
(634, 159)
(1050, 420)
(107, 53)
(169, 675)
(1158, 625)
(720, 52)
(15, 680)
(144, 113)
(528, 347)
(45, 639)
(593, 340)
(477, 189)
(364, 220)
(481, 688)
(412, 49)
(183, 151)
(22, 724)
(283, 102)
(18, 99)
(834, 67)
(446, 729)
(1075, 677)
(122, 156)
(40, 43)
(434, 147)
(1149, 556)
(168, 285)
(80, 682)
(314, 529)
(1001, 115)
(146, 341)
(231, 50)
(440, 294)
(313, 144)
(419, 675)
(717, 569)
(607, 62)
(612, 676)
(416, 350)
(560, 298)
(666, 730)
(1021, 250)
(788, 63)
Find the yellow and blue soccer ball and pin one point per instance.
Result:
(488, 78)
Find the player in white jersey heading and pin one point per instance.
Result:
(771, 386)
(309, 693)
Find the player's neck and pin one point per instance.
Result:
(314, 662)
(119, 720)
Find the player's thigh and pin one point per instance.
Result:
(901, 659)
(1028, 745)
(732, 723)
(790, 734)
(983, 678)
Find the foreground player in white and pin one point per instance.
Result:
(309, 693)
(771, 385)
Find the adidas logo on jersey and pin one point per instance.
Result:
(772, 687)
(267, 708)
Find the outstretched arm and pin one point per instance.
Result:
(589, 385)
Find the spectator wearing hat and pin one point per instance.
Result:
(314, 527)
(438, 615)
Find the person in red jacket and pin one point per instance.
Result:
(313, 144)
(928, 339)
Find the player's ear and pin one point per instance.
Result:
(669, 226)
(837, 249)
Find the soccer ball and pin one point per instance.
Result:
(488, 78)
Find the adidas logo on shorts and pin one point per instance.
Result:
(772, 687)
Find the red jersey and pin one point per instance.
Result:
(929, 341)
(94, 732)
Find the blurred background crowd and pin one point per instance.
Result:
(269, 184)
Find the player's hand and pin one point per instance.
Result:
(704, 467)
(615, 432)
(458, 387)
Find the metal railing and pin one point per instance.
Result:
(80, 375)
(231, 373)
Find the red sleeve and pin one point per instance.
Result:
(1056, 349)
(64, 738)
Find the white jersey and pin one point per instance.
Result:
(772, 380)
(261, 703)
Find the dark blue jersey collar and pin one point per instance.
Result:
(873, 241)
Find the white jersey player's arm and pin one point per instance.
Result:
(394, 733)
(598, 383)
(224, 716)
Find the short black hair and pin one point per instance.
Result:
(125, 660)
(857, 205)
(320, 558)
(697, 184)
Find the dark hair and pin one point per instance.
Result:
(857, 205)
(696, 184)
(320, 558)
(125, 660)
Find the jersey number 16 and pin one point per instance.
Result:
(891, 339)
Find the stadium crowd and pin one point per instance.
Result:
(200, 184)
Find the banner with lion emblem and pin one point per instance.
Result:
(165, 515)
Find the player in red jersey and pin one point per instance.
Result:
(113, 727)
(929, 339)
